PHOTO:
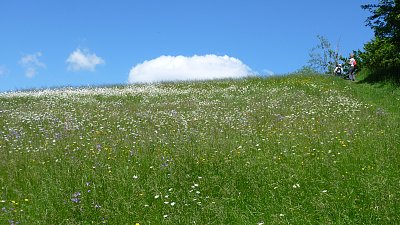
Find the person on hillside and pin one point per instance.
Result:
(353, 64)
(338, 70)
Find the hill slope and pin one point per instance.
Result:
(295, 149)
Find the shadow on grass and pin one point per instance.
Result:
(383, 75)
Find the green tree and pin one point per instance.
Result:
(382, 54)
(385, 19)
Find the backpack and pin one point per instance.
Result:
(338, 70)
(355, 63)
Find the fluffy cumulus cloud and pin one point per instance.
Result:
(173, 68)
(31, 63)
(83, 60)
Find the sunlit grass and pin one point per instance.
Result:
(294, 149)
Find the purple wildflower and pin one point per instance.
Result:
(76, 197)
(75, 200)
(12, 222)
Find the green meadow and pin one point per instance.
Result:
(296, 149)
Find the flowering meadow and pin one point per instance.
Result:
(295, 149)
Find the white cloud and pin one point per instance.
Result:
(172, 68)
(268, 72)
(83, 60)
(31, 64)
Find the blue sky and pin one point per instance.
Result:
(47, 43)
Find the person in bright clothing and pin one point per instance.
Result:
(353, 64)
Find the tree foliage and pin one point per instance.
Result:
(385, 19)
(382, 54)
(384, 50)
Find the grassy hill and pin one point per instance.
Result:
(284, 150)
